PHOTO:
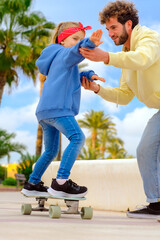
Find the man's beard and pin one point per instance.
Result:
(123, 38)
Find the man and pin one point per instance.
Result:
(140, 76)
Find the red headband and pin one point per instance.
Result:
(66, 33)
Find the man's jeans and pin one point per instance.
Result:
(148, 156)
(51, 129)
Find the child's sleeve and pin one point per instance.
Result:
(72, 56)
(87, 74)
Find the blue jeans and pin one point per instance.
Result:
(51, 129)
(148, 156)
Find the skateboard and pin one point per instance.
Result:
(55, 211)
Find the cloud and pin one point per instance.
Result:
(28, 139)
(23, 88)
(20, 121)
(130, 129)
(98, 67)
(87, 96)
(12, 119)
(25, 85)
(156, 27)
(109, 107)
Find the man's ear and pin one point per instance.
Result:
(129, 24)
(62, 42)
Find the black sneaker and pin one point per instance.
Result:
(68, 189)
(146, 212)
(31, 189)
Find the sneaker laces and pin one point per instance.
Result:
(41, 183)
(72, 183)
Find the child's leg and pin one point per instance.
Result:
(51, 142)
(60, 187)
(70, 128)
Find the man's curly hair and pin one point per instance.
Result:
(122, 10)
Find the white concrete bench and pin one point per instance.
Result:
(112, 184)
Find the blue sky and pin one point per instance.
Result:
(17, 113)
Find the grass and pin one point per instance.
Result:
(5, 187)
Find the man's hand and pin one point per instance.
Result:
(90, 85)
(96, 54)
(96, 37)
(96, 77)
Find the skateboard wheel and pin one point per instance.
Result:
(26, 209)
(54, 212)
(86, 213)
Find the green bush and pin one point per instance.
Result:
(2, 172)
(9, 182)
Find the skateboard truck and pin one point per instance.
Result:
(72, 206)
(41, 203)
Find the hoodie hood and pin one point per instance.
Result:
(47, 56)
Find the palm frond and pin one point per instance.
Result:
(23, 35)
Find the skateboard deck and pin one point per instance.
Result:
(55, 211)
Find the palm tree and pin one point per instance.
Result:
(106, 137)
(95, 121)
(89, 154)
(7, 146)
(22, 37)
(116, 151)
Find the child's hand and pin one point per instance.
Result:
(87, 84)
(96, 37)
(96, 77)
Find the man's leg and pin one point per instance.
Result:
(148, 157)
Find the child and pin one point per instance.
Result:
(58, 105)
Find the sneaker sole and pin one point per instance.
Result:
(33, 193)
(142, 216)
(55, 193)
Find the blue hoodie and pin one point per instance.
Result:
(62, 88)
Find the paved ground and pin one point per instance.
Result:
(104, 225)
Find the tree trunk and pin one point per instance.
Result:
(94, 138)
(102, 150)
(60, 148)
(39, 140)
(2, 84)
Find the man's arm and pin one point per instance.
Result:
(96, 54)
(122, 95)
(146, 53)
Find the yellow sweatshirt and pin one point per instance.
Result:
(140, 73)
